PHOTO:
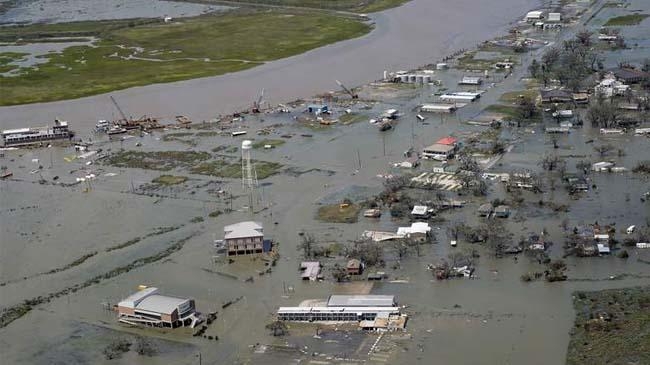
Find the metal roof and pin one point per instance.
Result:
(439, 148)
(243, 229)
(361, 301)
(134, 299)
(161, 303)
(447, 141)
(353, 309)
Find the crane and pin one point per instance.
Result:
(119, 109)
(258, 104)
(353, 95)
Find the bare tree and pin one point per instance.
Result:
(277, 328)
(552, 162)
(307, 245)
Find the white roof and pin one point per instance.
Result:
(16, 131)
(554, 17)
(362, 309)
(361, 301)
(534, 14)
(134, 299)
(419, 209)
(417, 227)
(161, 303)
(243, 229)
(603, 248)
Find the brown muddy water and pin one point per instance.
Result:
(493, 319)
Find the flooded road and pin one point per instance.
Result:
(420, 32)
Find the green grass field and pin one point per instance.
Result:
(142, 52)
(358, 6)
(633, 19)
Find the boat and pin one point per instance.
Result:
(116, 129)
(6, 174)
(102, 126)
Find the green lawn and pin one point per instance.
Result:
(185, 49)
(632, 19)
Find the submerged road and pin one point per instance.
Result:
(419, 32)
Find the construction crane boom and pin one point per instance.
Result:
(118, 108)
(353, 95)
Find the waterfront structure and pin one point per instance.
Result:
(343, 308)
(147, 307)
(244, 238)
(25, 136)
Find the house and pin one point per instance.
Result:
(147, 307)
(485, 210)
(421, 212)
(354, 267)
(410, 163)
(630, 75)
(536, 243)
(471, 80)
(602, 166)
(502, 211)
(245, 238)
(610, 86)
(556, 96)
(310, 270)
(318, 109)
(534, 15)
(580, 98)
(418, 231)
(440, 152)
(603, 249)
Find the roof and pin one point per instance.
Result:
(448, 141)
(502, 208)
(487, 207)
(311, 269)
(16, 131)
(416, 227)
(161, 303)
(554, 17)
(243, 229)
(556, 93)
(349, 309)
(354, 264)
(603, 248)
(361, 301)
(134, 299)
(420, 210)
(441, 148)
(629, 73)
(534, 14)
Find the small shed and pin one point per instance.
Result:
(534, 15)
(420, 211)
(603, 249)
(471, 80)
(354, 267)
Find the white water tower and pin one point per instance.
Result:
(248, 173)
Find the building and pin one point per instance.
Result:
(440, 152)
(147, 307)
(438, 108)
(25, 136)
(502, 211)
(534, 15)
(610, 86)
(630, 75)
(342, 308)
(354, 267)
(421, 212)
(310, 270)
(554, 17)
(556, 96)
(418, 231)
(471, 80)
(245, 238)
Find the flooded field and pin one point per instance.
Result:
(59, 232)
(59, 11)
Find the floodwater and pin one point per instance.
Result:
(420, 32)
(59, 11)
(494, 319)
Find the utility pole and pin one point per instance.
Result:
(359, 158)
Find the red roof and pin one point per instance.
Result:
(449, 141)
